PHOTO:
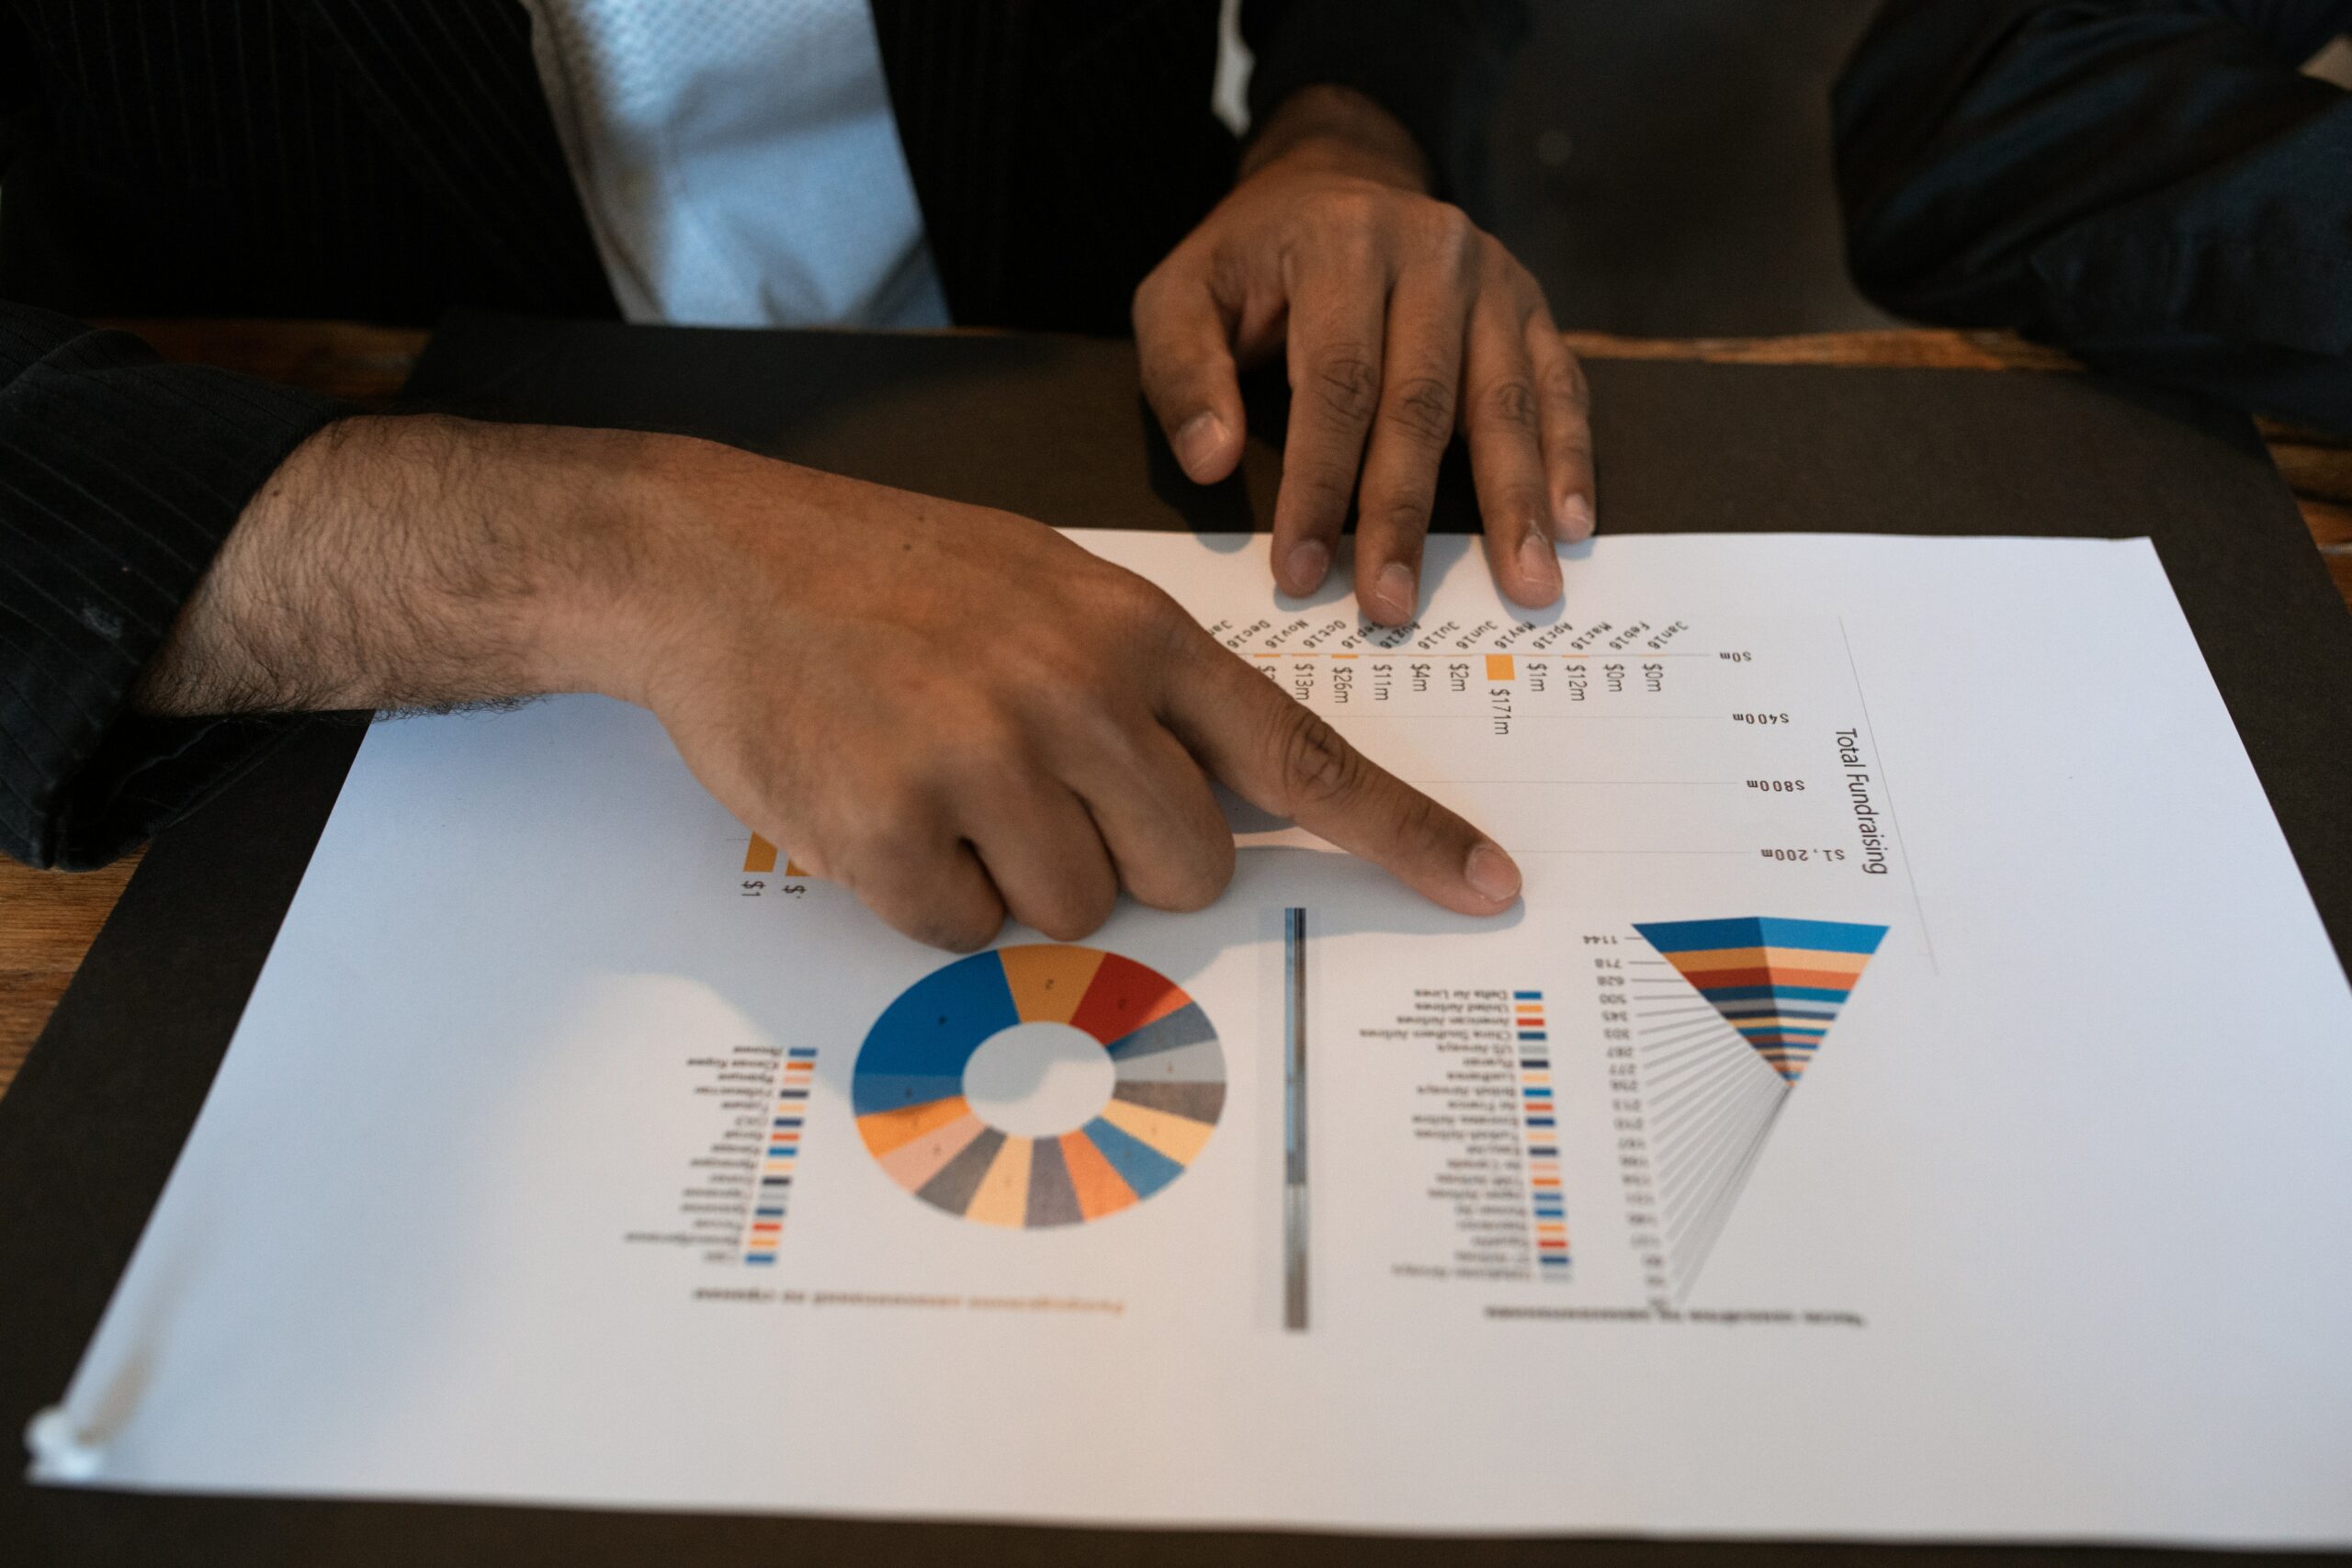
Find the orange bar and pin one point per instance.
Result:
(1501, 667)
(1812, 979)
(760, 857)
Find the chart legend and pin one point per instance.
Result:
(787, 1120)
(1539, 1111)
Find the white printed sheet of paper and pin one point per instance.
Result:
(1915, 1100)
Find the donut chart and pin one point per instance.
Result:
(907, 1090)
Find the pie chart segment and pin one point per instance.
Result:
(1142, 1167)
(915, 1162)
(1100, 1190)
(1200, 1101)
(1124, 998)
(1048, 982)
(1053, 1196)
(1168, 1087)
(917, 1049)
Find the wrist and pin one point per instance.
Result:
(409, 561)
(679, 532)
(1337, 129)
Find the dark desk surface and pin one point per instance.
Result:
(1911, 424)
(48, 919)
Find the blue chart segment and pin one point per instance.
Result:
(1717, 1068)
(1168, 1087)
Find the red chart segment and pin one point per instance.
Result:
(1168, 1087)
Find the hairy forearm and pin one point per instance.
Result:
(1340, 128)
(407, 562)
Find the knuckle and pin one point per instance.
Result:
(1070, 912)
(1563, 383)
(921, 896)
(872, 818)
(1453, 236)
(1423, 408)
(965, 929)
(985, 751)
(1314, 767)
(1188, 879)
(1494, 261)
(1134, 600)
(1348, 383)
(1424, 828)
(1347, 209)
(1511, 403)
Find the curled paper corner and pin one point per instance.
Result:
(61, 1452)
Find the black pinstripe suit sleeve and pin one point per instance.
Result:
(2151, 184)
(119, 476)
(1437, 65)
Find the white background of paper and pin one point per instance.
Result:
(2075, 1155)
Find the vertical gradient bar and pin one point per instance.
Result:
(1294, 1122)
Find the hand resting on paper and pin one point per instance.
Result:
(954, 712)
(1401, 321)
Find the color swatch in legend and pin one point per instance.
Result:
(1780, 983)
(1168, 1087)
(1539, 1111)
(787, 1118)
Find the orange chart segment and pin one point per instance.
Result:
(1168, 1087)
(885, 1131)
(1050, 982)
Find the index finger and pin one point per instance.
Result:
(1183, 346)
(1283, 757)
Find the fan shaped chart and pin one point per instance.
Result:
(1168, 1086)
(1717, 1066)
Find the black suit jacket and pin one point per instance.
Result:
(2149, 183)
(389, 159)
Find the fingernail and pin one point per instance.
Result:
(1198, 441)
(1491, 873)
(1307, 565)
(1394, 590)
(1541, 564)
(1575, 517)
